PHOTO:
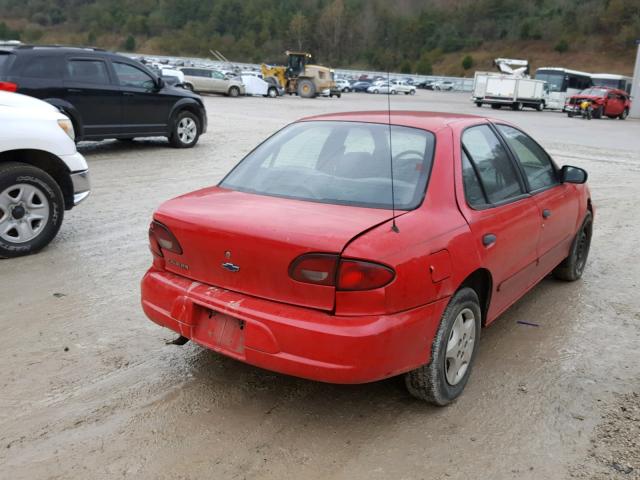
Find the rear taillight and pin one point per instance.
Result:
(316, 268)
(161, 238)
(359, 275)
(8, 86)
(328, 269)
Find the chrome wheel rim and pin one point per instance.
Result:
(24, 212)
(187, 130)
(460, 347)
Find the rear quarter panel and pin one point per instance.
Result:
(432, 253)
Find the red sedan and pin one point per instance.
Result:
(602, 101)
(309, 258)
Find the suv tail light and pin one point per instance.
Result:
(328, 269)
(9, 86)
(161, 238)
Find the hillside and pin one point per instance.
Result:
(413, 36)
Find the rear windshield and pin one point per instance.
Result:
(345, 163)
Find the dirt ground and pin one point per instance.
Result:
(90, 389)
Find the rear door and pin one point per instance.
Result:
(558, 203)
(144, 109)
(91, 89)
(503, 218)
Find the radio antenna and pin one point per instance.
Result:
(394, 226)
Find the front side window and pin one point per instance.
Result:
(130, 76)
(492, 163)
(346, 163)
(535, 162)
(88, 71)
(217, 75)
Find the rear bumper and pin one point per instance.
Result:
(288, 339)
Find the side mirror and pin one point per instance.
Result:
(570, 174)
(160, 83)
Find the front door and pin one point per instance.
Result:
(144, 109)
(91, 90)
(502, 217)
(558, 203)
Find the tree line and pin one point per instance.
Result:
(399, 35)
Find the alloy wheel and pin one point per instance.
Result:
(24, 213)
(187, 130)
(460, 347)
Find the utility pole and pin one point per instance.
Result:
(635, 87)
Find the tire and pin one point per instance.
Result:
(272, 92)
(624, 114)
(376, 91)
(496, 106)
(597, 113)
(186, 130)
(28, 192)
(234, 92)
(432, 382)
(412, 92)
(570, 114)
(478, 104)
(540, 107)
(306, 88)
(572, 267)
(517, 106)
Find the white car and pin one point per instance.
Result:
(444, 85)
(404, 87)
(382, 88)
(343, 85)
(257, 86)
(41, 173)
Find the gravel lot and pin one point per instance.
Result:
(89, 389)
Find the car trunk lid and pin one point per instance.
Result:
(246, 243)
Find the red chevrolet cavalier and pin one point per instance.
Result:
(348, 249)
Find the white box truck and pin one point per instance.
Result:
(499, 90)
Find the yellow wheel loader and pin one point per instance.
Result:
(301, 78)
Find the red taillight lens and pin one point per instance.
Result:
(360, 275)
(328, 269)
(316, 268)
(161, 238)
(9, 86)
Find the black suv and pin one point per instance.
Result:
(105, 95)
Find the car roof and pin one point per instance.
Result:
(432, 121)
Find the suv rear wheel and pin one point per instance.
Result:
(31, 209)
(186, 130)
(234, 91)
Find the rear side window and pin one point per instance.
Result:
(472, 188)
(88, 71)
(5, 60)
(42, 67)
(495, 169)
(534, 161)
(130, 76)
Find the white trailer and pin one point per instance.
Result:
(500, 90)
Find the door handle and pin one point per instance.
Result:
(546, 213)
(488, 239)
(74, 90)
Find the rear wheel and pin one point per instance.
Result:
(478, 104)
(31, 209)
(272, 92)
(517, 106)
(540, 107)
(186, 130)
(624, 114)
(306, 88)
(412, 92)
(234, 91)
(453, 351)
